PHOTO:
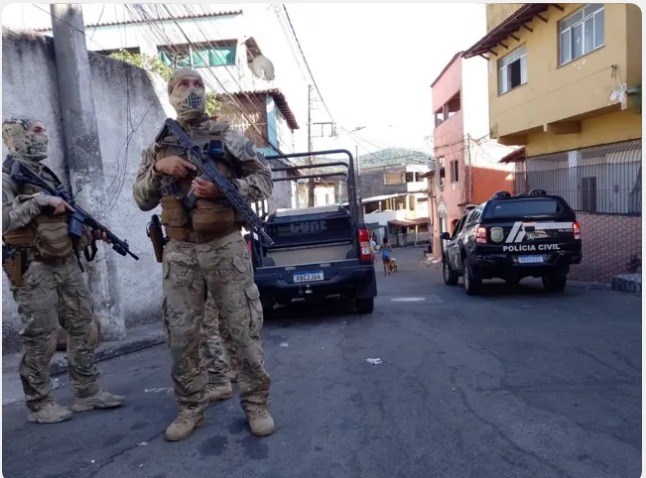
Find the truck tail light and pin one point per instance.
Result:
(576, 229)
(481, 235)
(364, 246)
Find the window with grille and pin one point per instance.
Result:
(581, 33)
(198, 56)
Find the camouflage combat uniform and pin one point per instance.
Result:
(218, 353)
(216, 259)
(51, 283)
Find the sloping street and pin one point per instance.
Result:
(510, 383)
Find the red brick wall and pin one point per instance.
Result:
(608, 241)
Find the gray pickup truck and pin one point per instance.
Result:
(318, 251)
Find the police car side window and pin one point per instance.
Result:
(460, 225)
(473, 217)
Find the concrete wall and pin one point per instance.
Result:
(129, 114)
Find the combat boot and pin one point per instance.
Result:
(49, 412)
(214, 393)
(100, 399)
(187, 420)
(260, 421)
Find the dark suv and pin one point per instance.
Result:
(529, 235)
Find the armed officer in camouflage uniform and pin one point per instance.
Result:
(40, 263)
(206, 249)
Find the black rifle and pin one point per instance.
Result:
(79, 216)
(207, 169)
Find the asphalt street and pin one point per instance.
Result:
(434, 383)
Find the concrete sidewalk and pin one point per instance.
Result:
(138, 338)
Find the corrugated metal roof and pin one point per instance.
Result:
(278, 97)
(159, 19)
(512, 24)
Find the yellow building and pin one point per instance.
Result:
(565, 84)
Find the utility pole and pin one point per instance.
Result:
(83, 155)
(310, 181)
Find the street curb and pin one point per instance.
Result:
(588, 285)
(109, 350)
(627, 283)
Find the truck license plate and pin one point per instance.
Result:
(530, 259)
(308, 276)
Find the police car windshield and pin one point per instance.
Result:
(524, 208)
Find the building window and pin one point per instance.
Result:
(453, 105)
(198, 56)
(512, 70)
(454, 171)
(581, 33)
(448, 109)
(394, 178)
(439, 116)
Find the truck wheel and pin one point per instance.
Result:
(471, 284)
(450, 276)
(554, 282)
(365, 306)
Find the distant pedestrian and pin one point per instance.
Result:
(385, 255)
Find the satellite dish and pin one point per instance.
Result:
(262, 68)
(619, 94)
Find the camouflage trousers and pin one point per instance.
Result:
(223, 266)
(218, 353)
(53, 293)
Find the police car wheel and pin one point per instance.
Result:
(450, 276)
(554, 282)
(471, 284)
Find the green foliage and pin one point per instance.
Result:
(213, 106)
(148, 63)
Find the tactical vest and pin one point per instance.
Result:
(48, 233)
(209, 219)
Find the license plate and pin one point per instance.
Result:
(530, 259)
(308, 276)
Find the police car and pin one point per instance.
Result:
(528, 235)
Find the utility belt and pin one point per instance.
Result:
(16, 260)
(196, 237)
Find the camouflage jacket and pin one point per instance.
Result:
(254, 175)
(21, 204)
